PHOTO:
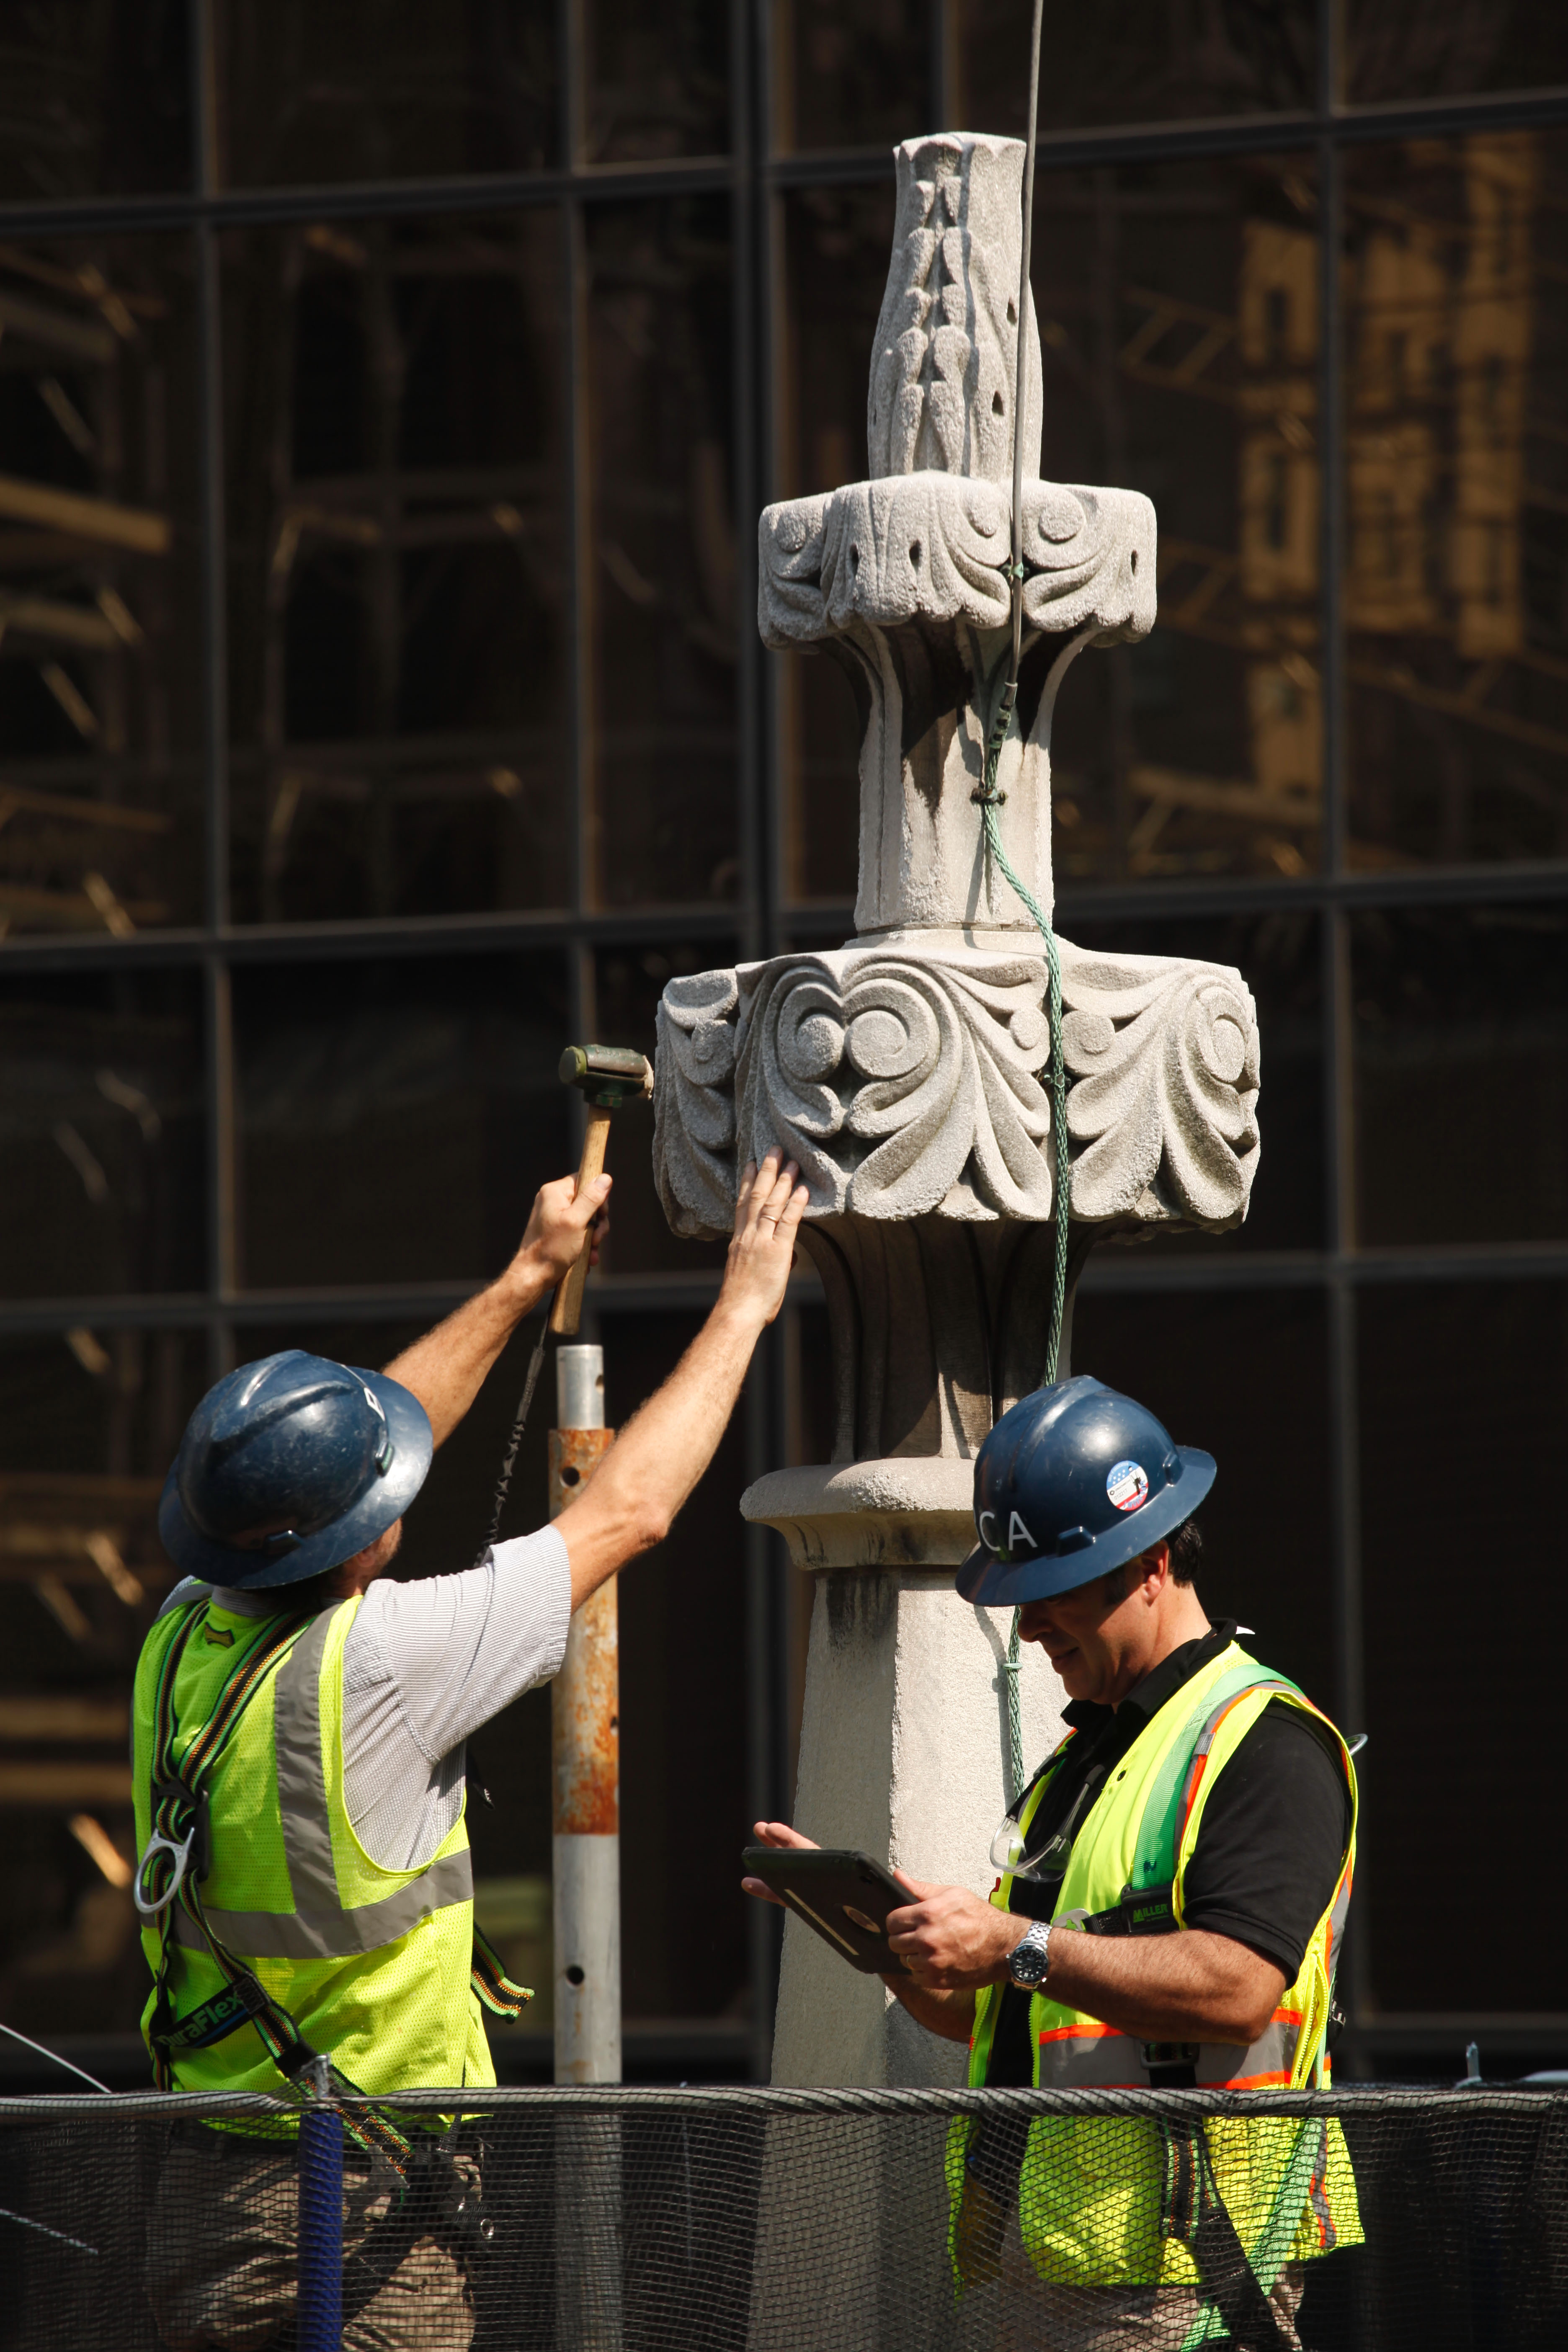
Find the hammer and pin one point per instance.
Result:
(610, 1075)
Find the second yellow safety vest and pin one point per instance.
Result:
(1100, 2199)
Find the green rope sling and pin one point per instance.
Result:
(990, 800)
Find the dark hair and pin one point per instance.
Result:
(1186, 1543)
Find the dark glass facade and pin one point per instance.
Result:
(387, 397)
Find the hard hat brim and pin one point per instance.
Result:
(408, 1426)
(1007, 1583)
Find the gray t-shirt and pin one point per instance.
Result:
(425, 1665)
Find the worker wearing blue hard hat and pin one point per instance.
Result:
(298, 1771)
(1171, 1887)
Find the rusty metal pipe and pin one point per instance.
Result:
(585, 1727)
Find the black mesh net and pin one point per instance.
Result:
(799, 2222)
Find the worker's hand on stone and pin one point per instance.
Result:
(553, 1242)
(768, 1211)
(950, 1940)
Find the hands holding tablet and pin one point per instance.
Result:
(948, 1939)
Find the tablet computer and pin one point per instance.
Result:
(845, 1898)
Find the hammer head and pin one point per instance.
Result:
(609, 1075)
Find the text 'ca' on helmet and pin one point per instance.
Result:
(1072, 1482)
(289, 1466)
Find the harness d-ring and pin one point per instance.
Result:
(158, 1844)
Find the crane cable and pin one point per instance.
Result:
(990, 800)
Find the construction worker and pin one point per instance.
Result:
(299, 1746)
(1171, 1895)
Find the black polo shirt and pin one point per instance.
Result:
(1269, 1848)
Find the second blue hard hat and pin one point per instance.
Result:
(288, 1466)
(1074, 1481)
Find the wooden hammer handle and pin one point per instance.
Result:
(567, 1311)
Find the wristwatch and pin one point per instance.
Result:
(1027, 1961)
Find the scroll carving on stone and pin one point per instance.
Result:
(903, 1085)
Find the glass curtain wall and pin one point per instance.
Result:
(387, 396)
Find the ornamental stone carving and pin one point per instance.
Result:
(904, 1087)
(906, 1072)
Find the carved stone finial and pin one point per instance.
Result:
(906, 1071)
(945, 360)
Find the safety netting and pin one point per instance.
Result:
(742, 2220)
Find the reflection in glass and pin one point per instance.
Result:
(90, 1420)
(1243, 1375)
(683, 1713)
(1461, 1073)
(1464, 1398)
(836, 247)
(1125, 61)
(395, 1120)
(661, 565)
(1406, 48)
(100, 1134)
(1179, 320)
(99, 696)
(657, 79)
(1279, 956)
(380, 90)
(849, 76)
(97, 98)
(1457, 399)
(397, 639)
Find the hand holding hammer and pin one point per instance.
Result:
(610, 1075)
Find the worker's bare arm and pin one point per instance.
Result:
(446, 1369)
(664, 1449)
(1191, 1986)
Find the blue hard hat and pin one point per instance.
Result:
(288, 1466)
(1072, 1482)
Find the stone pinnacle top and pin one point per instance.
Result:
(944, 365)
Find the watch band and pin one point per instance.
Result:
(1029, 1958)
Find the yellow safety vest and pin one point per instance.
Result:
(372, 1965)
(1100, 2202)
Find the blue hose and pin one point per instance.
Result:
(319, 2326)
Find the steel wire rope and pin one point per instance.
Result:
(990, 800)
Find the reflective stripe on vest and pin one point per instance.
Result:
(1089, 2056)
(320, 1927)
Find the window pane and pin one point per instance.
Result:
(1464, 1396)
(629, 981)
(396, 536)
(1244, 1377)
(1130, 62)
(851, 76)
(684, 1816)
(381, 89)
(662, 562)
(89, 1423)
(99, 688)
(1279, 956)
(100, 1135)
(395, 1119)
(1179, 317)
(97, 100)
(1457, 399)
(658, 78)
(1461, 1073)
(836, 246)
(1456, 52)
